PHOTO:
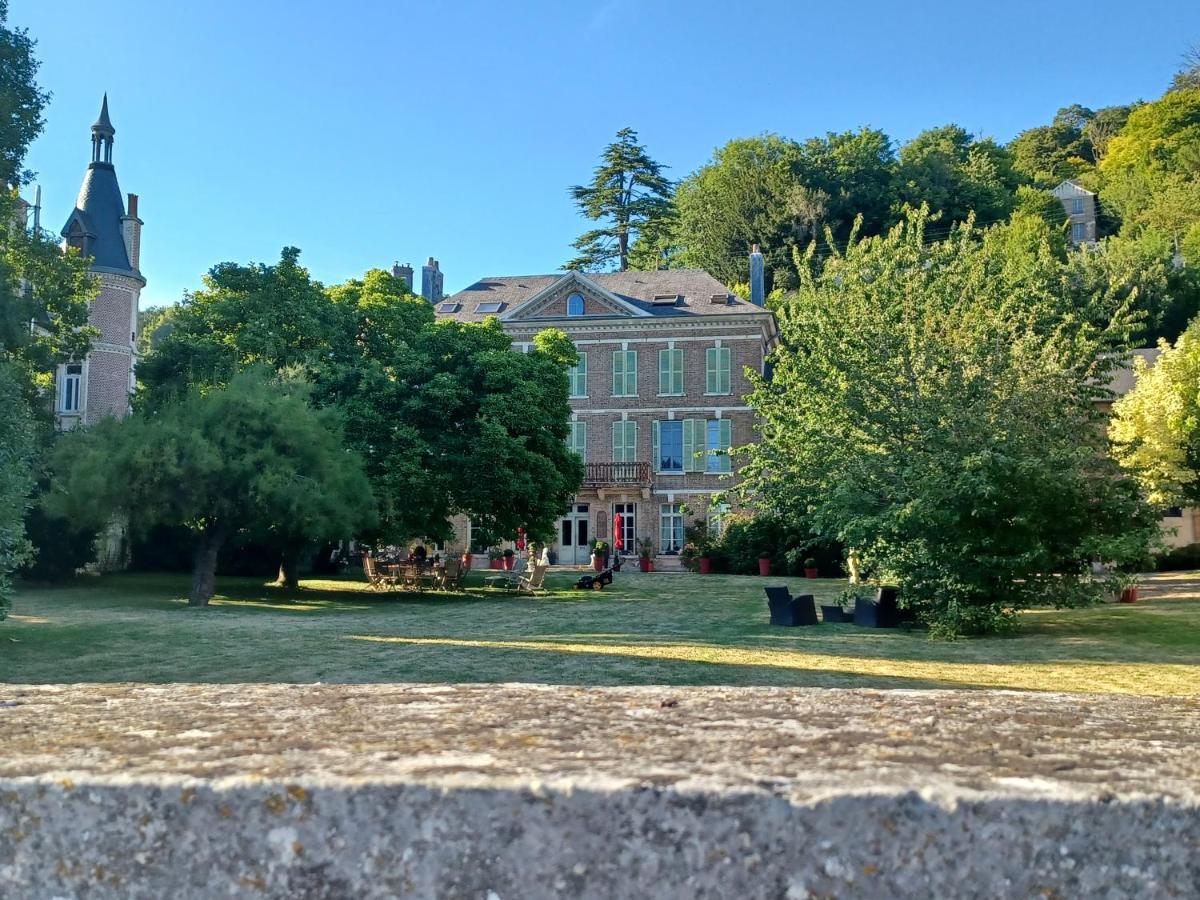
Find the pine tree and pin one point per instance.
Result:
(630, 194)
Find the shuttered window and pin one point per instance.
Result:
(624, 441)
(577, 375)
(718, 371)
(577, 439)
(719, 437)
(625, 373)
(670, 373)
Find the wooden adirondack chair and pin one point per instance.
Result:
(375, 578)
(452, 575)
(533, 582)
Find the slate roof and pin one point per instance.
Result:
(637, 288)
(99, 209)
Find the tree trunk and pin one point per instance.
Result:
(204, 566)
(289, 567)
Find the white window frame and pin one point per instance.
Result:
(70, 379)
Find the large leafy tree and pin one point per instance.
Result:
(957, 175)
(737, 200)
(250, 456)
(44, 298)
(1155, 428)
(935, 406)
(447, 418)
(1160, 142)
(629, 194)
(17, 447)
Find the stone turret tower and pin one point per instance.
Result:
(104, 228)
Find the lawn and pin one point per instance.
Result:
(646, 629)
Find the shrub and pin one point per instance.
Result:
(1177, 558)
(60, 550)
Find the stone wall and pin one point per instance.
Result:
(498, 792)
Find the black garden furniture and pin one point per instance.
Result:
(882, 612)
(789, 611)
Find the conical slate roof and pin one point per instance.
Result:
(99, 210)
(104, 123)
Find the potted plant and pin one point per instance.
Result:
(599, 555)
(810, 568)
(688, 556)
(495, 558)
(764, 566)
(645, 551)
(1126, 585)
(509, 558)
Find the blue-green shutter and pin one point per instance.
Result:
(655, 451)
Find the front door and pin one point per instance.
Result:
(628, 514)
(573, 537)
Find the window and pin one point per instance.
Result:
(718, 515)
(670, 533)
(668, 453)
(489, 308)
(717, 371)
(718, 436)
(577, 439)
(447, 307)
(670, 373)
(72, 384)
(624, 373)
(577, 377)
(1077, 206)
(1173, 512)
(624, 442)
(1079, 232)
(575, 305)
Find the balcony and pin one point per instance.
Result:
(622, 474)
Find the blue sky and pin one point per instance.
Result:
(368, 131)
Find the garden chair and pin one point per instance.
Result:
(451, 575)
(534, 582)
(789, 611)
(509, 579)
(375, 578)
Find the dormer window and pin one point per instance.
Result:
(575, 305)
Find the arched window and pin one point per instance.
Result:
(575, 305)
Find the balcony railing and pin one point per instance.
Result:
(600, 474)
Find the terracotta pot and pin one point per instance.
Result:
(1129, 595)
(705, 565)
(644, 563)
(764, 566)
(598, 563)
(812, 573)
(495, 564)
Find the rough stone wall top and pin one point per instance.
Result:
(802, 743)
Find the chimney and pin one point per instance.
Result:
(431, 281)
(404, 273)
(131, 231)
(757, 292)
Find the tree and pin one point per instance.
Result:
(840, 178)
(935, 406)
(1160, 140)
(447, 418)
(1155, 428)
(17, 448)
(272, 315)
(956, 175)
(630, 193)
(1188, 76)
(737, 200)
(23, 100)
(252, 455)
